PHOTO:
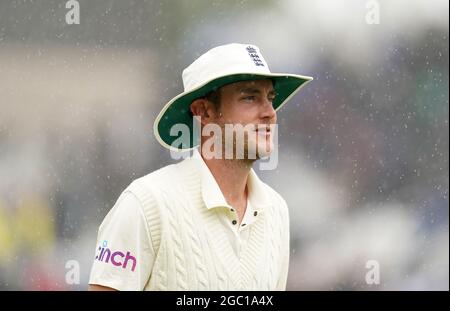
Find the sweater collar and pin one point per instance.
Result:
(213, 196)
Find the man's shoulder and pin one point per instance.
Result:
(164, 179)
(273, 195)
(160, 178)
(278, 207)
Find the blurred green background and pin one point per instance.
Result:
(367, 141)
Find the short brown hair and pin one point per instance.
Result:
(214, 97)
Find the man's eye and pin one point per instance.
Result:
(249, 97)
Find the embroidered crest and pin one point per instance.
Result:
(254, 56)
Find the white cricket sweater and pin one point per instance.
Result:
(173, 230)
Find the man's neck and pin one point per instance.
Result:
(231, 176)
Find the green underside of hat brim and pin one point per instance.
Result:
(179, 112)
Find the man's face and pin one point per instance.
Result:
(248, 103)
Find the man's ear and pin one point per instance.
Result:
(202, 108)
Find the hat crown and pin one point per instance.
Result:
(224, 60)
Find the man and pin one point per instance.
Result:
(207, 222)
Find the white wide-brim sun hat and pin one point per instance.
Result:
(220, 66)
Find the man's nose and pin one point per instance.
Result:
(268, 112)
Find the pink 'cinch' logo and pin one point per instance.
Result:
(117, 258)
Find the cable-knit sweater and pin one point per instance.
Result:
(173, 230)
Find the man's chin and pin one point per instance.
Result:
(263, 154)
(260, 152)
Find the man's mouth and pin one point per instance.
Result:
(263, 131)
